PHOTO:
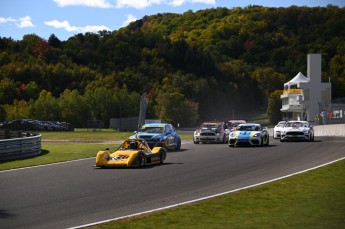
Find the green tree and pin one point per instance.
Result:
(7, 91)
(73, 108)
(19, 110)
(273, 108)
(46, 107)
(177, 110)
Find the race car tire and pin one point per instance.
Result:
(141, 160)
(178, 147)
(162, 157)
(262, 141)
(268, 140)
(312, 138)
(195, 142)
(281, 140)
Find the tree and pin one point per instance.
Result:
(7, 91)
(54, 41)
(273, 108)
(46, 107)
(73, 108)
(177, 110)
(19, 110)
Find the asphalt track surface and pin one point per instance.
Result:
(77, 193)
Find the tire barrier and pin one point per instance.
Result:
(19, 145)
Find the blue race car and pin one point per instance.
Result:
(249, 134)
(159, 135)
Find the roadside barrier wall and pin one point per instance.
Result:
(330, 130)
(24, 145)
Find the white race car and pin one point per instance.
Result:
(210, 132)
(297, 130)
(278, 128)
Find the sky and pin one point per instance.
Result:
(66, 18)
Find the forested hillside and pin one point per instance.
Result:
(197, 66)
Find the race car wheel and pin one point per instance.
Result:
(141, 160)
(268, 140)
(178, 147)
(195, 142)
(162, 157)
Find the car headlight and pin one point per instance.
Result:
(306, 131)
(232, 134)
(257, 135)
(218, 134)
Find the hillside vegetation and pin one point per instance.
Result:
(202, 65)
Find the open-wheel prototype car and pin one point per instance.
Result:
(132, 152)
(297, 131)
(249, 134)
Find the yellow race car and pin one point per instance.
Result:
(132, 152)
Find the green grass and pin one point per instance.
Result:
(84, 135)
(58, 152)
(315, 199)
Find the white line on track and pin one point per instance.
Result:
(203, 198)
(36, 166)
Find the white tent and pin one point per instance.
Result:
(299, 78)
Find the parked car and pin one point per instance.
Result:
(210, 132)
(249, 134)
(278, 128)
(22, 124)
(159, 134)
(36, 125)
(297, 131)
(132, 152)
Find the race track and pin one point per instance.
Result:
(77, 193)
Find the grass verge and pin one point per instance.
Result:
(315, 199)
(57, 152)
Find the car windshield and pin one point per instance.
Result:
(234, 124)
(210, 126)
(280, 124)
(296, 124)
(248, 128)
(152, 129)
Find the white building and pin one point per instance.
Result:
(302, 96)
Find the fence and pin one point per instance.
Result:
(15, 145)
(331, 113)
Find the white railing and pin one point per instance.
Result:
(26, 146)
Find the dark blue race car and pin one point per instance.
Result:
(159, 134)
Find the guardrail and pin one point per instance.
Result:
(330, 130)
(19, 145)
